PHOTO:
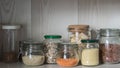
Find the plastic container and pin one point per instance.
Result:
(10, 42)
(32, 53)
(51, 43)
(110, 45)
(68, 55)
(90, 52)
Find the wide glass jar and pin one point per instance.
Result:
(68, 55)
(78, 32)
(32, 53)
(52, 43)
(90, 52)
(110, 45)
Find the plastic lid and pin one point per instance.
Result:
(52, 36)
(89, 41)
(11, 26)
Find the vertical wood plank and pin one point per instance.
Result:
(100, 13)
(53, 17)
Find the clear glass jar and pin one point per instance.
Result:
(90, 52)
(51, 43)
(110, 45)
(68, 55)
(32, 53)
(10, 43)
(78, 32)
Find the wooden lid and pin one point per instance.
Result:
(79, 28)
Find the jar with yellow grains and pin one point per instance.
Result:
(90, 52)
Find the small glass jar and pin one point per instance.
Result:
(51, 43)
(90, 52)
(68, 55)
(78, 32)
(110, 45)
(32, 53)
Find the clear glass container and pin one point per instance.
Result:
(68, 55)
(10, 42)
(110, 45)
(78, 32)
(51, 43)
(32, 53)
(90, 52)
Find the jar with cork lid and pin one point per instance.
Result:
(78, 32)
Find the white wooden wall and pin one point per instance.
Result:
(40, 17)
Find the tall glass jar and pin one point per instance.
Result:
(78, 32)
(51, 43)
(68, 55)
(110, 45)
(32, 53)
(90, 52)
(10, 42)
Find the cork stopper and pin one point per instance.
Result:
(78, 28)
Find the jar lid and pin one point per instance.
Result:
(89, 41)
(80, 28)
(52, 36)
(11, 26)
(109, 32)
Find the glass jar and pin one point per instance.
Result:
(51, 43)
(90, 52)
(32, 53)
(110, 45)
(10, 43)
(78, 32)
(68, 55)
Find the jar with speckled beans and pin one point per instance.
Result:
(32, 53)
(90, 52)
(52, 44)
(110, 45)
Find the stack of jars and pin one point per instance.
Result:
(80, 48)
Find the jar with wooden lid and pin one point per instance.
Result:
(78, 32)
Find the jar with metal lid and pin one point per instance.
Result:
(78, 32)
(51, 43)
(11, 35)
(32, 53)
(110, 45)
(90, 52)
(68, 55)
